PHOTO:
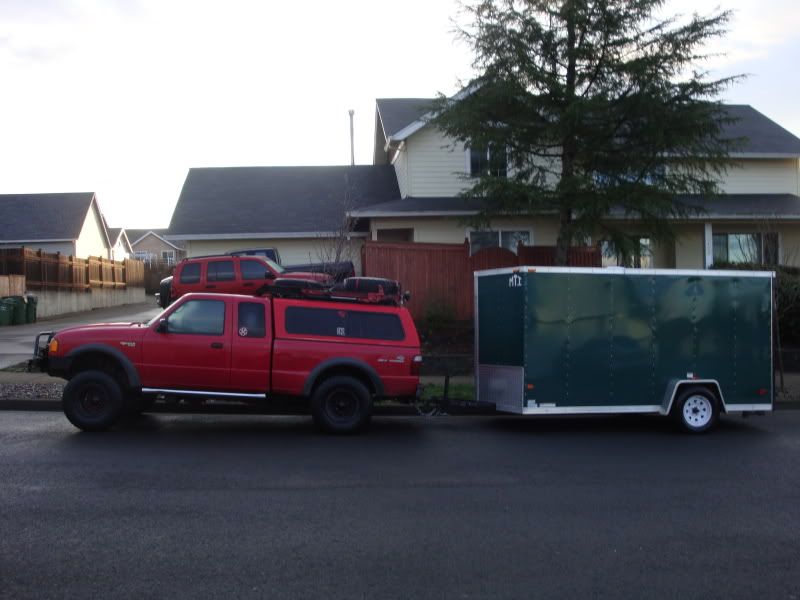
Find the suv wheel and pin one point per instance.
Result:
(341, 405)
(93, 401)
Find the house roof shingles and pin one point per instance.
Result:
(762, 134)
(727, 206)
(275, 200)
(39, 217)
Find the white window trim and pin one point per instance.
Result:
(499, 230)
(468, 164)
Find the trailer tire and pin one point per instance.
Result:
(341, 404)
(93, 401)
(696, 409)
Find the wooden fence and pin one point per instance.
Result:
(439, 276)
(55, 271)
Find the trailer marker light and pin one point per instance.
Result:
(531, 270)
(53, 346)
(530, 386)
(762, 392)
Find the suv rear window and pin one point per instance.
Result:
(220, 270)
(344, 323)
(190, 273)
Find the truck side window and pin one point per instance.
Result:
(251, 320)
(344, 323)
(220, 270)
(253, 269)
(198, 317)
(190, 273)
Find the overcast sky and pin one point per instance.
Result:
(122, 97)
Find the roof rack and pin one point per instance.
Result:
(362, 290)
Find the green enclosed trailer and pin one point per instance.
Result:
(692, 344)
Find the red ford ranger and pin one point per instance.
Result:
(226, 275)
(333, 358)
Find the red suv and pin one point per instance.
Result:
(226, 275)
(332, 358)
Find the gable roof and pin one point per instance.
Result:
(136, 235)
(44, 217)
(240, 202)
(156, 233)
(402, 117)
(117, 233)
(397, 113)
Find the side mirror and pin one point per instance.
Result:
(162, 326)
(269, 275)
(406, 296)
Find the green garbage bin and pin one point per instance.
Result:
(30, 308)
(6, 311)
(17, 304)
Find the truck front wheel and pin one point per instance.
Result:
(696, 409)
(93, 401)
(341, 405)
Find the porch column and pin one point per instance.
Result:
(708, 246)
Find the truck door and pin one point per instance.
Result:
(252, 346)
(194, 352)
(221, 277)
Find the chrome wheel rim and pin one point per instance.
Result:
(697, 411)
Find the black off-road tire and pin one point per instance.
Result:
(341, 404)
(93, 401)
(696, 409)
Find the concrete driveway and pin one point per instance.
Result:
(16, 342)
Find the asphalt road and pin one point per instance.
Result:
(489, 507)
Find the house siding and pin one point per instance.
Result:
(92, 241)
(435, 166)
(155, 246)
(63, 248)
(762, 177)
(451, 230)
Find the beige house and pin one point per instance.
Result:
(70, 224)
(756, 219)
(410, 194)
(151, 245)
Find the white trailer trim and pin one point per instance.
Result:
(750, 408)
(592, 410)
(625, 271)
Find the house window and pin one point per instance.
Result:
(395, 235)
(640, 259)
(168, 256)
(757, 248)
(142, 255)
(487, 161)
(504, 239)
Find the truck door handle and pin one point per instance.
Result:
(216, 345)
(208, 287)
(248, 284)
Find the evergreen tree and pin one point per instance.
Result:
(596, 107)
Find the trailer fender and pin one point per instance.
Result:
(675, 385)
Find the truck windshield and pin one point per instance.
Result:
(275, 266)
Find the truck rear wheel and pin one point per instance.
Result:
(93, 401)
(696, 409)
(341, 404)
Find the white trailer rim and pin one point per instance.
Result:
(697, 411)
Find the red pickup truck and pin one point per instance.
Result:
(332, 358)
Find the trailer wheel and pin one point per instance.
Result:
(93, 401)
(696, 409)
(341, 404)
